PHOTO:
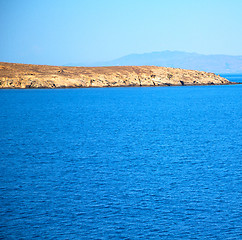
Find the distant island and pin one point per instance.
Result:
(217, 63)
(15, 75)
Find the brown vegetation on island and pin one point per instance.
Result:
(14, 75)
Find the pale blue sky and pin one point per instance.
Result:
(72, 31)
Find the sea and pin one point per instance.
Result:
(121, 163)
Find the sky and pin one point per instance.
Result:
(85, 31)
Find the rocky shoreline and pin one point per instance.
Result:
(15, 75)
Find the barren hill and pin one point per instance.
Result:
(177, 59)
(13, 75)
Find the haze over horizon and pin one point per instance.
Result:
(61, 32)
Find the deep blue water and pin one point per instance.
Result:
(121, 163)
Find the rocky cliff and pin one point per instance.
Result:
(13, 75)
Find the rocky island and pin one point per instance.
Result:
(15, 75)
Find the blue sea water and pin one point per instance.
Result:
(121, 163)
(236, 77)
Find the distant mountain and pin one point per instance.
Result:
(177, 59)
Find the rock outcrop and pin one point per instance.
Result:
(14, 75)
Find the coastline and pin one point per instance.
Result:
(28, 76)
(124, 86)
